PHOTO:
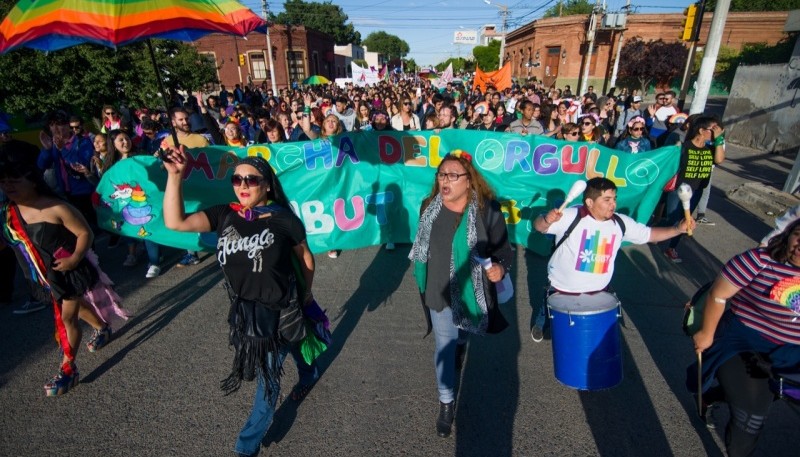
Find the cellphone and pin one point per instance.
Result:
(61, 253)
(162, 154)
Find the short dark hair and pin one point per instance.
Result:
(596, 186)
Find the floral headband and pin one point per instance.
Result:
(635, 120)
(461, 154)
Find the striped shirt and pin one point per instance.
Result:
(769, 297)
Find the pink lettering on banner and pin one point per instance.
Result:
(345, 223)
(389, 149)
(198, 163)
(314, 150)
(346, 149)
(568, 166)
(518, 152)
(545, 161)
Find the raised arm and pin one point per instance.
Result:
(175, 217)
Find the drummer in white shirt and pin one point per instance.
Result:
(584, 262)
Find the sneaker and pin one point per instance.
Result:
(702, 220)
(30, 306)
(99, 339)
(129, 261)
(188, 260)
(537, 334)
(709, 417)
(333, 254)
(390, 246)
(672, 254)
(61, 383)
(152, 272)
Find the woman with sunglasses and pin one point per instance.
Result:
(590, 132)
(570, 132)
(111, 120)
(635, 140)
(405, 119)
(460, 224)
(259, 239)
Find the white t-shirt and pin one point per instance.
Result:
(585, 261)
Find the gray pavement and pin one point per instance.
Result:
(154, 390)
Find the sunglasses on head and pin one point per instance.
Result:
(250, 180)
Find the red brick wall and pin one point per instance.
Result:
(317, 49)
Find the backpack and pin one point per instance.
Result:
(574, 224)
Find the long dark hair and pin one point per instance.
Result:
(778, 246)
(15, 162)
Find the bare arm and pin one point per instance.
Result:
(720, 292)
(544, 221)
(73, 221)
(658, 234)
(175, 217)
(307, 266)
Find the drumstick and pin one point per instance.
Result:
(685, 195)
(577, 188)
(700, 384)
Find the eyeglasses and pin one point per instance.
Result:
(75, 127)
(637, 129)
(452, 177)
(250, 180)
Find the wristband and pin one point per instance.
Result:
(544, 218)
(719, 300)
(719, 141)
(307, 109)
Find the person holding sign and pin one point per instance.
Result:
(259, 241)
(460, 224)
(587, 241)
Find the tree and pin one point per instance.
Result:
(323, 17)
(410, 65)
(757, 5)
(460, 64)
(652, 61)
(386, 44)
(487, 58)
(569, 8)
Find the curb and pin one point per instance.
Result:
(762, 200)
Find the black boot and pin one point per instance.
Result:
(445, 420)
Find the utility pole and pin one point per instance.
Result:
(588, 57)
(504, 13)
(687, 71)
(710, 53)
(269, 49)
(613, 82)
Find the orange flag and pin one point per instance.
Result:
(499, 79)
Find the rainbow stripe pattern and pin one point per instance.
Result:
(50, 25)
(787, 293)
(595, 253)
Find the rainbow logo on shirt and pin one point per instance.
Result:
(595, 253)
(787, 293)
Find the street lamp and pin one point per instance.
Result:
(503, 12)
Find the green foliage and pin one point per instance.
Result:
(324, 17)
(487, 58)
(410, 65)
(757, 5)
(728, 59)
(570, 8)
(361, 63)
(657, 61)
(460, 64)
(82, 78)
(386, 44)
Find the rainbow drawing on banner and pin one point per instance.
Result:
(595, 253)
(787, 293)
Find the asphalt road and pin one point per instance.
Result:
(153, 391)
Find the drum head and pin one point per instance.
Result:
(583, 303)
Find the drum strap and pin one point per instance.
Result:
(574, 223)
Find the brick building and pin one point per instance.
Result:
(297, 54)
(552, 49)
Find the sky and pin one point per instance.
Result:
(428, 26)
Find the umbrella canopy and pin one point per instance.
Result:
(316, 80)
(50, 25)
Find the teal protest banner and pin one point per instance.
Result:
(362, 189)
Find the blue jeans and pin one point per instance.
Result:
(249, 441)
(447, 336)
(674, 211)
(153, 254)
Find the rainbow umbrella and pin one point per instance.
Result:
(316, 80)
(49, 25)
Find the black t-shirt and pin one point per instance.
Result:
(256, 256)
(695, 165)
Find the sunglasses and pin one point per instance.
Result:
(250, 180)
(407, 103)
(587, 123)
(109, 113)
(637, 129)
(571, 133)
(75, 127)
